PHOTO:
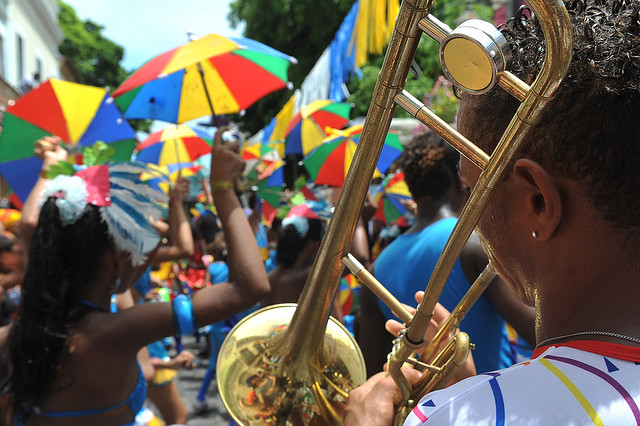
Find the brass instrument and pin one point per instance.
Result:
(279, 366)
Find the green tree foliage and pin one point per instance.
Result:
(420, 84)
(300, 28)
(304, 28)
(95, 57)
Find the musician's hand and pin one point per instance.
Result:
(373, 403)
(440, 315)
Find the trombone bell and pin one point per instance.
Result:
(261, 384)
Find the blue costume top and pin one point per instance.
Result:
(405, 267)
(135, 401)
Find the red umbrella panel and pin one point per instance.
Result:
(174, 144)
(329, 163)
(211, 75)
(79, 114)
(309, 127)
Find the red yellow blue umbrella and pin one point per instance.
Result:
(174, 144)
(393, 198)
(261, 158)
(328, 164)
(270, 188)
(211, 75)
(162, 177)
(309, 127)
(79, 114)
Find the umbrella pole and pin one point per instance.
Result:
(214, 120)
(175, 145)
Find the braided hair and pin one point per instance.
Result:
(62, 261)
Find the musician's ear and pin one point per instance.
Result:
(541, 196)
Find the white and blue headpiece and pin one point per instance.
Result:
(125, 201)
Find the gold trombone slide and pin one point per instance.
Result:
(296, 365)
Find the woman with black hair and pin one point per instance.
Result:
(297, 247)
(67, 359)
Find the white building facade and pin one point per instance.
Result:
(30, 38)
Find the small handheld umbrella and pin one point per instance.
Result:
(270, 188)
(309, 127)
(157, 178)
(80, 115)
(328, 164)
(174, 144)
(393, 198)
(261, 158)
(208, 76)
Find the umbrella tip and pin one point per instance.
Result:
(289, 85)
(191, 35)
(293, 60)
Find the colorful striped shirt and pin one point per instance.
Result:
(575, 383)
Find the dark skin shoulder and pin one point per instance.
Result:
(286, 285)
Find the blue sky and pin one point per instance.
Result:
(146, 28)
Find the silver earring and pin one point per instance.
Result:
(534, 234)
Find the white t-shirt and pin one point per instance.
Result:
(575, 383)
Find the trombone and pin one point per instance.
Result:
(288, 364)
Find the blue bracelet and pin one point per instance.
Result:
(183, 318)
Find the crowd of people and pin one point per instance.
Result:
(105, 274)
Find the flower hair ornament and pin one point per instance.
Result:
(300, 214)
(124, 200)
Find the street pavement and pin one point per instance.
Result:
(189, 383)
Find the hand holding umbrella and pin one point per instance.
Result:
(226, 163)
(49, 149)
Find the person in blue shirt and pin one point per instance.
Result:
(405, 266)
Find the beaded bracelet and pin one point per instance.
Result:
(219, 185)
(183, 318)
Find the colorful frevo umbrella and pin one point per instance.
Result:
(393, 198)
(174, 144)
(208, 76)
(79, 114)
(329, 163)
(349, 294)
(271, 187)
(313, 123)
(163, 177)
(261, 159)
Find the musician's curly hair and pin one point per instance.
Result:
(590, 131)
(429, 165)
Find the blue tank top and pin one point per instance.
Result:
(405, 267)
(135, 401)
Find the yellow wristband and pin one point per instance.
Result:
(219, 185)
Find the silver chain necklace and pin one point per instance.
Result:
(589, 333)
